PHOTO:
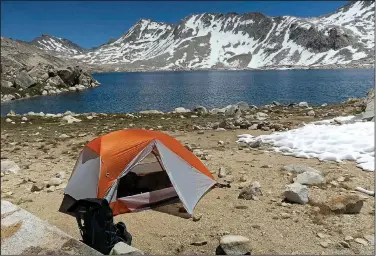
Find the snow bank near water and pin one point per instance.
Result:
(351, 140)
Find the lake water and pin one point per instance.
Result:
(131, 92)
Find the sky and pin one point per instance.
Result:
(92, 23)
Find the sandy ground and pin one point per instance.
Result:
(158, 232)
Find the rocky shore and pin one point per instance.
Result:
(266, 202)
(43, 79)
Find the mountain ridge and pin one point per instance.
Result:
(232, 40)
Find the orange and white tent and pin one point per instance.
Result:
(136, 169)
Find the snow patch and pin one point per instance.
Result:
(353, 140)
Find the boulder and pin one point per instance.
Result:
(311, 113)
(243, 106)
(147, 112)
(255, 144)
(234, 245)
(55, 81)
(40, 71)
(309, 178)
(369, 112)
(84, 79)
(345, 204)
(24, 80)
(22, 233)
(123, 249)
(6, 84)
(70, 119)
(80, 87)
(303, 104)
(7, 97)
(296, 193)
(200, 110)
(181, 110)
(261, 116)
(8, 166)
(69, 75)
(230, 110)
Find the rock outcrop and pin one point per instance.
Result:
(28, 71)
(24, 233)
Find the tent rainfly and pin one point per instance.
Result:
(135, 170)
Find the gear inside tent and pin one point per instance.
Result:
(136, 170)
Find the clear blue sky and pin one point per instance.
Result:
(90, 24)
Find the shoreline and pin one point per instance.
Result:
(281, 68)
(46, 147)
(223, 110)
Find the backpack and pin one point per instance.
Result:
(95, 221)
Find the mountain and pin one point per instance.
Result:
(236, 41)
(57, 45)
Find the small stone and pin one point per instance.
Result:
(267, 166)
(8, 120)
(285, 215)
(123, 249)
(199, 241)
(334, 183)
(311, 113)
(37, 187)
(361, 241)
(200, 132)
(255, 144)
(253, 127)
(221, 142)
(344, 244)
(198, 152)
(206, 157)
(60, 175)
(222, 172)
(55, 181)
(243, 178)
(24, 118)
(64, 136)
(242, 207)
(51, 189)
(341, 179)
(197, 217)
(321, 235)
(349, 238)
(325, 244)
(235, 245)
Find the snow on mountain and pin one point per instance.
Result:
(57, 45)
(250, 40)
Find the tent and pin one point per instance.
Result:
(135, 170)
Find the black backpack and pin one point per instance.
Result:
(96, 224)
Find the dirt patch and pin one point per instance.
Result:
(8, 231)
